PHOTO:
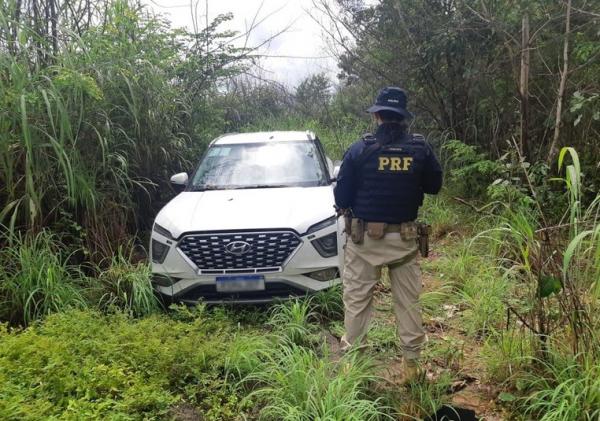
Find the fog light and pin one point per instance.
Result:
(159, 251)
(324, 274)
(163, 280)
(327, 245)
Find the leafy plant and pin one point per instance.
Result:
(87, 364)
(470, 171)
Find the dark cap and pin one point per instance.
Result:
(391, 99)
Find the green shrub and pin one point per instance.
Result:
(86, 365)
(506, 355)
(469, 171)
(35, 278)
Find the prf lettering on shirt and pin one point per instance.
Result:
(395, 163)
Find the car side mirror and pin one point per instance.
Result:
(180, 179)
(336, 169)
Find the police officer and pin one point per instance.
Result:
(381, 182)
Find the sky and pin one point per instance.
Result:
(301, 49)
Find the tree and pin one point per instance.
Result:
(313, 95)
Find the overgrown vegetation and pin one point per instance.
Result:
(100, 102)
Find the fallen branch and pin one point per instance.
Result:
(472, 206)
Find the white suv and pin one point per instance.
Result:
(254, 223)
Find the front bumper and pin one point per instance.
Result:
(179, 280)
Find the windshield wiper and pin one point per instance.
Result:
(206, 187)
(263, 186)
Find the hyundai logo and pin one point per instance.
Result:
(238, 248)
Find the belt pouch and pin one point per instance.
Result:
(376, 230)
(408, 231)
(357, 230)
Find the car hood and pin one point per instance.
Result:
(287, 207)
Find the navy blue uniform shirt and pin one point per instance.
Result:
(389, 182)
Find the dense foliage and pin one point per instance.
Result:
(100, 102)
(93, 121)
(461, 63)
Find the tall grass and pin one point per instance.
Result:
(35, 278)
(126, 286)
(296, 384)
(90, 135)
(568, 388)
(293, 321)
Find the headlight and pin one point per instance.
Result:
(326, 245)
(323, 224)
(163, 231)
(159, 251)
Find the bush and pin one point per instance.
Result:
(469, 171)
(82, 364)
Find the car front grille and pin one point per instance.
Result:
(239, 252)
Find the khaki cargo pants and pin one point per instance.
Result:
(362, 271)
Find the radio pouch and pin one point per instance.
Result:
(376, 230)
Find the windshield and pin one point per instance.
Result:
(260, 165)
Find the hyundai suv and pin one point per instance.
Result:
(254, 222)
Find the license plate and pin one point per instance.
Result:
(240, 283)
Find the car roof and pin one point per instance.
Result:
(262, 137)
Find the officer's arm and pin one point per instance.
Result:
(345, 186)
(432, 174)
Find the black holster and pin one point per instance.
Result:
(423, 231)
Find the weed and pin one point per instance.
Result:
(483, 294)
(567, 389)
(127, 286)
(506, 354)
(383, 335)
(83, 364)
(446, 352)
(246, 353)
(292, 320)
(422, 398)
(443, 218)
(298, 385)
(36, 279)
(432, 302)
(328, 304)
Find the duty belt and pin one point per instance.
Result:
(417, 231)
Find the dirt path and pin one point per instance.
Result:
(453, 359)
(450, 354)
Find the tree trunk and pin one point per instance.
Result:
(524, 87)
(561, 89)
(54, 25)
